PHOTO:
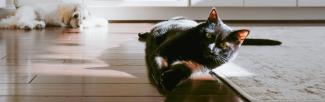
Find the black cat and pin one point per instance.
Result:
(177, 47)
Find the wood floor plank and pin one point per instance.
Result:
(79, 99)
(75, 69)
(132, 28)
(92, 66)
(21, 78)
(59, 79)
(105, 56)
(8, 62)
(72, 59)
(124, 62)
(86, 90)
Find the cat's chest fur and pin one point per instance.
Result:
(179, 40)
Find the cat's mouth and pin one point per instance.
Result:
(212, 47)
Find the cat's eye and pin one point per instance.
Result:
(223, 45)
(209, 35)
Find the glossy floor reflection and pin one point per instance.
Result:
(96, 65)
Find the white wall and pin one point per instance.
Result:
(10, 4)
(219, 3)
(311, 3)
(270, 3)
(138, 3)
(198, 9)
(201, 13)
(2, 3)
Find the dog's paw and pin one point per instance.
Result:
(39, 25)
(25, 26)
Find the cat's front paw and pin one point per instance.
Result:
(162, 63)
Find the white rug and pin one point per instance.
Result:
(292, 72)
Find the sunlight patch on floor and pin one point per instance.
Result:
(233, 70)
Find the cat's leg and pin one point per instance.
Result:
(156, 66)
(154, 71)
(176, 74)
(193, 66)
(162, 63)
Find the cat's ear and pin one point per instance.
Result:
(242, 34)
(213, 17)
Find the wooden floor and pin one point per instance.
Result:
(96, 65)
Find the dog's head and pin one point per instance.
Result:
(73, 15)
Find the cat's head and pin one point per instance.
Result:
(221, 39)
(231, 43)
(217, 33)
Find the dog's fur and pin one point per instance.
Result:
(40, 15)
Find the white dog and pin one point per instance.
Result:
(38, 16)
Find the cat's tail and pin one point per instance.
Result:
(248, 41)
(261, 42)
